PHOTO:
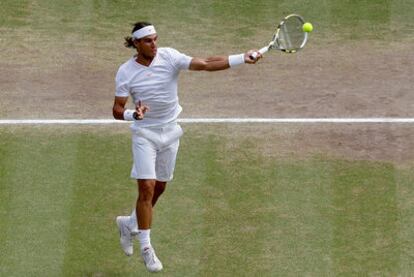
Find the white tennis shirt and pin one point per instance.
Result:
(155, 85)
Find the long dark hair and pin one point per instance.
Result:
(129, 41)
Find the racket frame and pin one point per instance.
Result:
(274, 43)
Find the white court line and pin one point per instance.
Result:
(213, 120)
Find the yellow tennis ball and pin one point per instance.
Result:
(307, 27)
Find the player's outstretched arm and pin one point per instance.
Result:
(216, 63)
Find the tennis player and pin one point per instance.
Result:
(150, 78)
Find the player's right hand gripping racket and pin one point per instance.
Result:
(289, 36)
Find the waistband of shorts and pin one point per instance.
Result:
(161, 126)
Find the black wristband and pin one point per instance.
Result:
(135, 115)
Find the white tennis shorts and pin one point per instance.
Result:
(154, 151)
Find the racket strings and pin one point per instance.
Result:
(291, 35)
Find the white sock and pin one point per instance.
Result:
(144, 238)
(133, 221)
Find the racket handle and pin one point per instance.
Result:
(261, 51)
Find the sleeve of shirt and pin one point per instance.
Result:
(121, 84)
(179, 60)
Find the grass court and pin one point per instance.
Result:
(247, 199)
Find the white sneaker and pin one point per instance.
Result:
(151, 261)
(125, 235)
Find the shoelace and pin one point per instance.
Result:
(126, 230)
(151, 256)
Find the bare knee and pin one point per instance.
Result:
(146, 190)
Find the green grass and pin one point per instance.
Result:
(230, 211)
(52, 33)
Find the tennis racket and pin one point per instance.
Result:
(289, 36)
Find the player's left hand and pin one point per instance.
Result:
(248, 56)
(141, 110)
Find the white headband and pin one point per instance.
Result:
(143, 32)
